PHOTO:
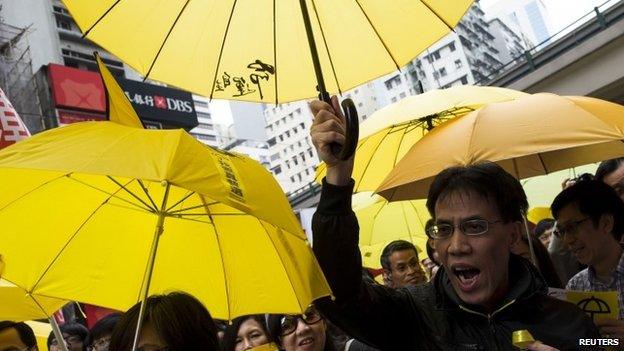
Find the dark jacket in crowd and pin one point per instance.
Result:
(431, 316)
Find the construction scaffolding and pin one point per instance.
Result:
(17, 78)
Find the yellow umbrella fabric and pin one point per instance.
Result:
(382, 222)
(89, 208)
(258, 50)
(530, 136)
(536, 214)
(119, 108)
(41, 330)
(18, 305)
(389, 133)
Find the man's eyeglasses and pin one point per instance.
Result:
(288, 324)
(99, 345)
(571, 228)
(468, 227)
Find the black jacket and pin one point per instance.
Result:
(431, 316)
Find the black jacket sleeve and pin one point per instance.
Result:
(377, 315)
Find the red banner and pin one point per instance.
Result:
(77, 89)
(12, 129)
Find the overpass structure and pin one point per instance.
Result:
(587, 60)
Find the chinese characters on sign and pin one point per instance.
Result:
(12, 129)
(249, 84)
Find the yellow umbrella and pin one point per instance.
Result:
(118, 107)
(105, 214)
(530, 136)
(259, 50)
(268, 51)
(18, 305)
(382, 222)
(536, 214)
(389, 133)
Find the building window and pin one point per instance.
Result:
(458, 64)
(299, 176)
(442, 72)
(63, 24)
(200, 103)
(292, 147)
(292, 179)
(302, 125)
(275, 157)
(436, 55)
(294, 158)
(287, 164)
(298, 111)
(277, 170)
(464, 80)
(394, 99)
(360, 104)
(402, 95)
(281, 138)
(307, 171)
(299, 143)
(452, 46)
(288, 133)
(310, 152)
(436, 75)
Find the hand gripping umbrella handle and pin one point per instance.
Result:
(352, 129)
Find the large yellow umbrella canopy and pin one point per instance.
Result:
(382, 222)
(530, 136)
(389, 133)
(96, 212)
(257, 50)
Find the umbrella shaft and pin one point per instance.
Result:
(323, 95)
(147, 279)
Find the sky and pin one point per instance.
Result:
(560, 12)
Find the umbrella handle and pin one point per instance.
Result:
(352, 129)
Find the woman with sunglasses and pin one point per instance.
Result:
(307, 332)
(245, 332)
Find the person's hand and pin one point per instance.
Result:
(611, 328)
(329, 127)
(538, 346)
(568, 182)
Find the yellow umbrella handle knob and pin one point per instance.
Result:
(522, 339)
(352, 132)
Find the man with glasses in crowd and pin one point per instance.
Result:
(74, 336)
(590, 219)
(481, 294)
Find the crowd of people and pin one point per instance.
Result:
(483, 277)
